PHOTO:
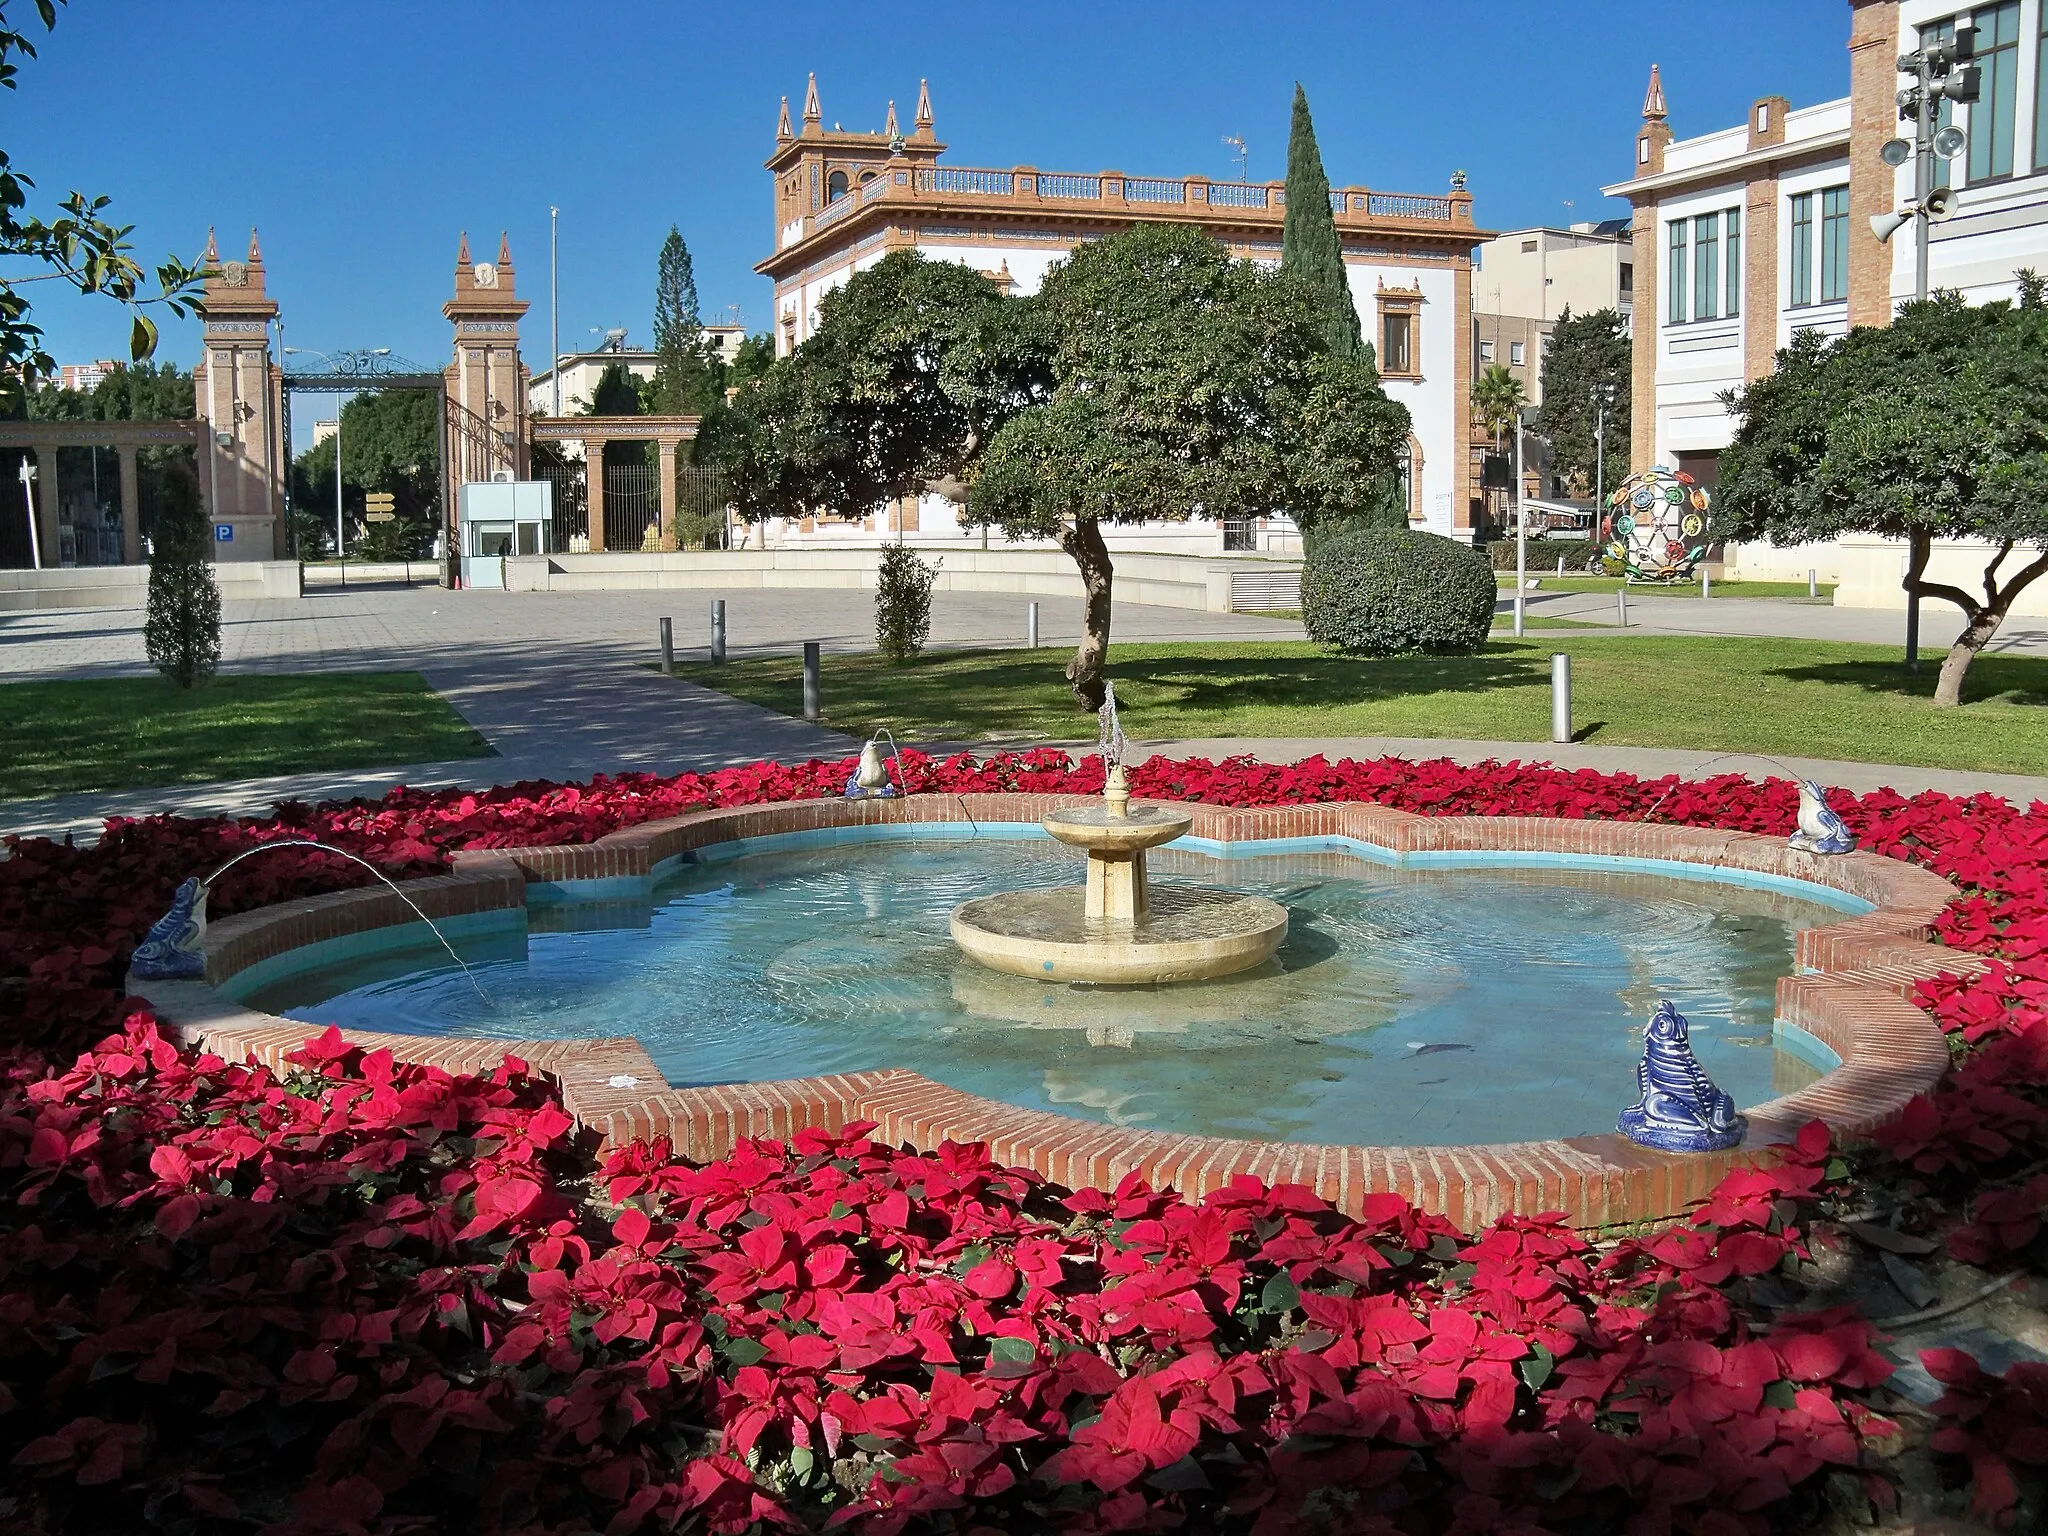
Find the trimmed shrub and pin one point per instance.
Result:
(181, 631)
(1579, 555)
(903, 602)
(1390, 591)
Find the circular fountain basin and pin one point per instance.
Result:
(1189, 933)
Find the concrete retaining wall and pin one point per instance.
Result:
(127, 586)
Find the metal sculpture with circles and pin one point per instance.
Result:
(1655, 526)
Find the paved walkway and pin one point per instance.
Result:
(556, 682)
(1797, 619)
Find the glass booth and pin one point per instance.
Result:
(499, 518)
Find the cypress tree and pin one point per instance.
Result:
(1308, 238)
(181, 632)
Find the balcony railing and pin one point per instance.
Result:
(1029, 186)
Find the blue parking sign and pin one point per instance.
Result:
(224, 533)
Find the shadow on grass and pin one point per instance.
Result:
(2021, 680)
(1305, 681)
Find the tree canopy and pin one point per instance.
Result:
(1309, 247)
(685, 376)
(1583, 353)
(1933, 427)
(80, 245)
(1151, 377)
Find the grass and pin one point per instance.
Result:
(138, 732)
(1529, 621)
(1552, 582)
(1736, 694)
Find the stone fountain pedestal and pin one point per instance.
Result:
(1115, 928)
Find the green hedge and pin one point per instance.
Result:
(1390, 591)
(1579, 555)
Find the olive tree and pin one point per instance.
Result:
(1934, 427)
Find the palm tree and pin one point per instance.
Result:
(1497, 399)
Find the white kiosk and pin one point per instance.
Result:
(499, 518)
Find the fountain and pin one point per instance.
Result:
(1115, 928)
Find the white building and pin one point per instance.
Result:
(845, 199)
(581, 370)
(1750, 233)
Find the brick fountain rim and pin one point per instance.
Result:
(1854, 979)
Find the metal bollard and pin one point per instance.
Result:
(718, 629)
(813, 709)
(1520, 600)
(1706, 583)
(668, 645)
(1812, 585)
(1560, 697)
(1621, 602)
(1560, 565)
(1031, 627)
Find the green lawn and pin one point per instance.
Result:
(1788, 697)
(134, 732)
(1552, 582)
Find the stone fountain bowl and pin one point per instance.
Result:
(1190, 934)
(1144, 826)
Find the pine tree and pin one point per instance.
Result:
(181, 632)
(1308, 238)
(682, 373)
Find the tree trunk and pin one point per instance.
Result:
(1084, 543)
(1984, 618)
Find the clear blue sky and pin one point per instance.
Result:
(363, 138)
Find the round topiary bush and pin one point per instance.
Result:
(1390, 591)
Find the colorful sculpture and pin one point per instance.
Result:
(1820, 829)
(171, 951)
(1655, 526)
(1680, 1109)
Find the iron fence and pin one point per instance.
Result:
(632, 505)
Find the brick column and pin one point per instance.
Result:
(46, 504)
(1644, 315)
(131, 507)
(669, 509)
(593, 489)
(1759, 278)
(1460, 467)
(1873, 118)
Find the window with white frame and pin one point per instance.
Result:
(1486, 351)
(1516, 354)
(1712, 244)
(2041, 95)
(1818, 250)
(1993, 115)
(1940, 34)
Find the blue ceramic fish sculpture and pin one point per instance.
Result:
(1680, 1109)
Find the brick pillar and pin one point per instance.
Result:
(1460, 467)
(46, 504)
(1644, 315)
(593, 489)
(131, 507)
(1760, 276)
(669, 508)
(1873, 118)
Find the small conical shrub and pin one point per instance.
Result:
(181, 633)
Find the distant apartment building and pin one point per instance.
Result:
(86, 377)
(1749, 233)
(842, 200)
(581, 370)
(1523, 280)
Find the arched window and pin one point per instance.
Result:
(866, 177)
(835, 187)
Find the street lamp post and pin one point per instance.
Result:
(1603, 397)
(1941, 71)
(28, 496)
(554, 321)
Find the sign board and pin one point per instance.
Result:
(380, 501)
(380, 517)
(224, 533)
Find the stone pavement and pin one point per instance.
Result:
(1940, 623)
(556, 682)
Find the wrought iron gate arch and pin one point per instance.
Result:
(357, 371)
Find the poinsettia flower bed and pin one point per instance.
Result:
(365, 1296)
